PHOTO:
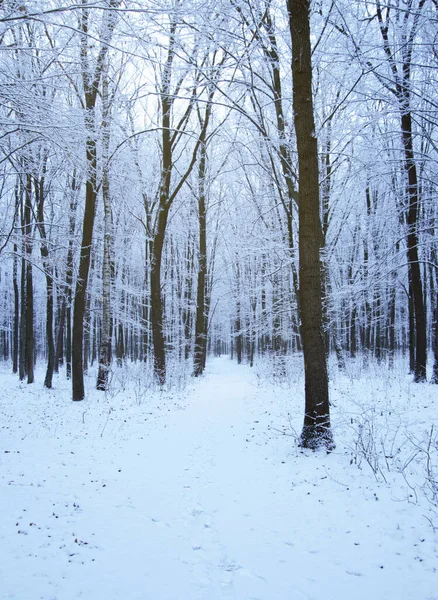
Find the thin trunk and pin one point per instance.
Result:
(75, 186)
(22, 354)
(59, 350)
(30, 339)
(105, 340)
(87, 332)
(44, 249)
(200, 328)
(412, 251)
(16, 311)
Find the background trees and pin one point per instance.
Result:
(150, 173)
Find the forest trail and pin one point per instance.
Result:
(204, 502)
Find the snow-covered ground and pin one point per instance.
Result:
(204, 494)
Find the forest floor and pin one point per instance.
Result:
(203, 493)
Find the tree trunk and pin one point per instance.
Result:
(39, 200)
(200, 327)
(316, 429)
(157, 301)
(16, 311)
(434, 378)
(105, 340)
(91, 83)
(416, 287)
(22, 354)
(59, 350)
(75, 185)
(30, 339)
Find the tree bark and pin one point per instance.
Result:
(44, 249)
(316, 429)
(16, 311)
(105, 342)
(30, 339)
(416, 287)
(200, 327)
(91, 82)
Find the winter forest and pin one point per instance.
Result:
(219, 219)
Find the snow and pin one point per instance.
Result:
(203, 493)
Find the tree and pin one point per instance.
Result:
(316, 430)
(105, 343)
(401, 89)
(91, 79)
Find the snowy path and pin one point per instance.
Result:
(204, 503)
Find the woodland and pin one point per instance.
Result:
(182, 179)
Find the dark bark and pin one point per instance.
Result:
(391, 327)
(411, 320)
(166, 198)
(16, 325)
(91, 82)
(30, 339)
(22, 354)
(87, 328)
(353, 334)
(157, 312)
(238, 338)
(412, 251)
(316, 429)
(402, 91)
(82, 280)
(187, 317)
(120, 347)
(156, 299)
(59, 349)
(434, 378)
(200, 327)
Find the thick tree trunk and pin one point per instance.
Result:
(316, 430)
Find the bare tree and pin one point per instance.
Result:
(91, 79)
(316, 430)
